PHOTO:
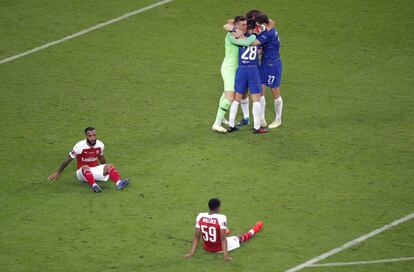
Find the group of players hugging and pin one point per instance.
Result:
(249, 36)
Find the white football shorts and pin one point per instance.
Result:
(96, 171)
(232, 243)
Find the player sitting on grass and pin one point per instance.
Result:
(212, 227)
(88, 152)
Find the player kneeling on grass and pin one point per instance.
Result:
(88, 152)
(212, 227)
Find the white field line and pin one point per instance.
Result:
(351, 243)
(83, 32)
(402, 259)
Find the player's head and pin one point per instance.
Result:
(240, 22)
(251, 25)
(251, 14)
(214, 204)
(90, 135)
(262, 19)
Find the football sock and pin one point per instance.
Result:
(248, 235)
(244, 103)
(256, 114)
(222, 109)
(114, 175)
(233, 112)
(278, 108)
(89, 177)
(222, 97)
(263, 107)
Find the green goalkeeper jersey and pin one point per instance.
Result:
(231, 46)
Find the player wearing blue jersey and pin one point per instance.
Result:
(251, 14)
(270, 66)
(247, 77)
(229, 67)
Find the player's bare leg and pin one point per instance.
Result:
(248, 235)
(86, 172)
(278, 108)
(109, 169)
(257, 114)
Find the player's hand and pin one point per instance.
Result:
(188, 256)
(240, 33)
(54, 176)
(235, 35)
(227, 258)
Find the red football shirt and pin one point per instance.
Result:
(210, 225)
(87, 155)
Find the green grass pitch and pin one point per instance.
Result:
(341, 165)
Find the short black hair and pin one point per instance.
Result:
(251, 24)
(89, 129)
(262, 19)
(239, 18)
(214, 204)
(252, 13)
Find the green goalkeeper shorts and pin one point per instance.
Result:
(228, 72)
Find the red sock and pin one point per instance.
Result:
(89, 177)
(245, 237)
(114, 175)
(248, 235)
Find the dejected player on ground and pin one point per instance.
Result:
(89, 153)
(212, 227)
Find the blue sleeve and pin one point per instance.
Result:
(262, 38)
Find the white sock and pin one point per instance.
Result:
(256, 114)
(278, 108)
(245, 107)
(233, 112)
(263, 107)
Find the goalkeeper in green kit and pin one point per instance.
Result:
(232, 42)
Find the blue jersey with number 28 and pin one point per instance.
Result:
(248, 56)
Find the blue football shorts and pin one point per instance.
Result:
(271, 74)
(248, 77)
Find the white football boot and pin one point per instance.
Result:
(275, 124)
(219, 128)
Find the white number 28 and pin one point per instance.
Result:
(250, 53)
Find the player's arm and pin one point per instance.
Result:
(196, 239)
(241, 42)
(271, 24)
(101, 159)
(224, 245)
(228, 27)
(62, 166)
